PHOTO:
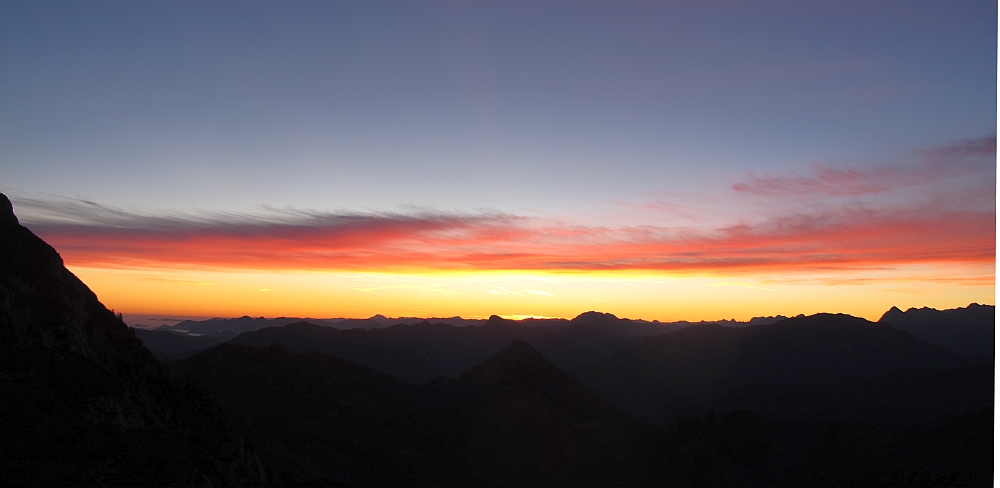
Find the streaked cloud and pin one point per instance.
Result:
(177, 282)
(423, 287)
(850, 236)
(540, 292)
(956, 160)
(940, 209)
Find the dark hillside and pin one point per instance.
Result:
(534, 424)
(167, 345)
(969, 330)
(784, 368)
(84, 403)
(323, 419)
(359, 345)
(809, 401)
(515, 420)
(418, 353)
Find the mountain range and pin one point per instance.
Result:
(969, 330)
(827, 399)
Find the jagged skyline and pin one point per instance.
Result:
(594, 400)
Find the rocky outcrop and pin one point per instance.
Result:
(84, 403)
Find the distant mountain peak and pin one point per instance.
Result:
(890, 314)
(595, 316)
(496, 320)
(518, 360)
(520, 349)
(520, 369)
(828, 320)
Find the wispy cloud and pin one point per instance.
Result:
(423, 287)
(885, 228)
(178, 282)
(540, 292)
(981, 146)
(824, 180)
(934, 164)
(840, 237)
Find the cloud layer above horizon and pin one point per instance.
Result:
(937, 209)
(519, 158)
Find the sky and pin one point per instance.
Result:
(690, 160)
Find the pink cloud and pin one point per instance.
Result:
(826, 181)
(933, 165)
(844, 238)
(952, 219)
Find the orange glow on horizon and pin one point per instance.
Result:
(477, 295)
(842, 240)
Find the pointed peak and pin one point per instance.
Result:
(518, 360)
(889, 314)
(519, 348)
(7, 216)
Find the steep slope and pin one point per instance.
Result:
(789, 368)
(520, 368)
(515, 420)
(166, 345)
(43, 305)
(84, 402)
(361, 346)
(969, 330)
(323, 419)
(529, 422)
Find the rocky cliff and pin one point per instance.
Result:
(84, 403)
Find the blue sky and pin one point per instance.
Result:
(779, 157)
(561, 107)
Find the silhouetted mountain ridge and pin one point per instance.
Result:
(515, 419)
(521, 367)
(969, 330)
(418, 353)
(711, 367)
(168, 345)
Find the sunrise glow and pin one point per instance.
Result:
(432, 164)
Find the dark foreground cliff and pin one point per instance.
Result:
(83, 403)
